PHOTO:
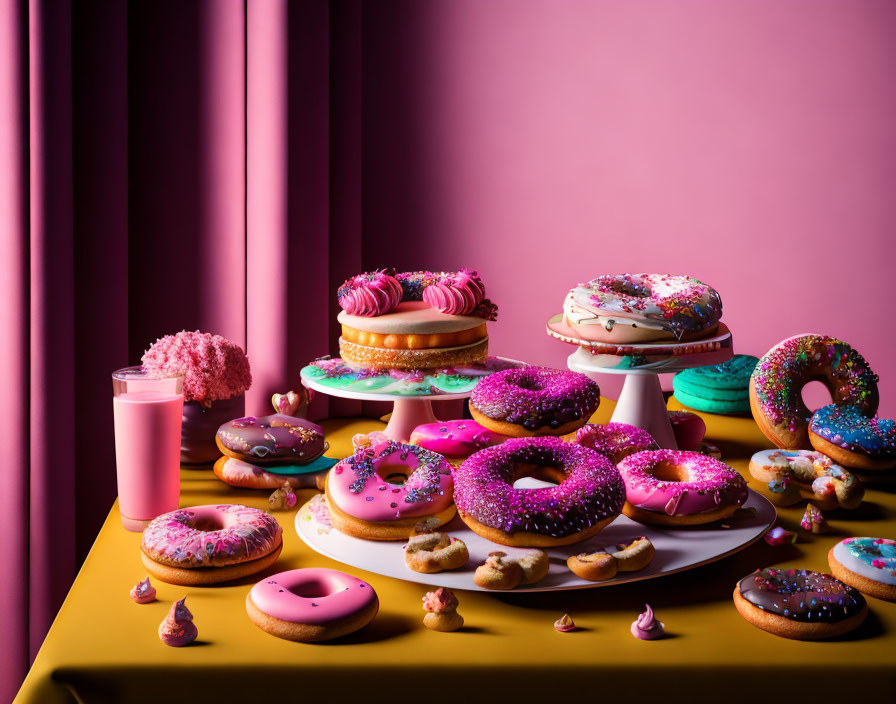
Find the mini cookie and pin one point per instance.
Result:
(853, 439)
(431, 552)
(789, 476)
(717, 388)
(502, 572)
(271, 440)
(602, 565)
(311, 605)
(868, 564)
(799, 604)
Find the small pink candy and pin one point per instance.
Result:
(143, 592)
(564, 624)
(178, 628)
(778, 536)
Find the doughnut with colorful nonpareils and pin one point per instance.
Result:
(534, 401)
(634, 308)
(777, 382)
(210, 544)
(799, 604)
(789, 476)
(614, 440)
(868, 564)
(588, 496)
(853, 439)
(676, 487)
(386, 488)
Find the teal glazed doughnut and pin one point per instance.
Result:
(717, 388)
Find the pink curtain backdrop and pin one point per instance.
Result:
(225, 164)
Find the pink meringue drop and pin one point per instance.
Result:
(439, 601)
(646, 627)
(457, 293)
(178, 628)
(369, 294)
(143, 592)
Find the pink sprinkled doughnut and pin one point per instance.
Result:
(688, 429)
(589, 495)
(534, 401)
(365, 504)
(455, 438)
(615, 440)
(457, 293)
(311, 605)
(369, 294)
(210, 544)
(675, 487)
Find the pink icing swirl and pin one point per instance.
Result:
(178, 628)
(646, 627)
(440, 601)
(457, 293)
(369, 294)
(214, 368)
(143, 592)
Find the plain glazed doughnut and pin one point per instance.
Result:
(210, 544)
(777, 383)
(589, 496)
(849, 437)
(675, 487)
(534, 401)
(311, 605)
(365, 504)
(635, 308)
(615, 440)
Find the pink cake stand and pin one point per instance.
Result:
(641, 401)
(408, 411)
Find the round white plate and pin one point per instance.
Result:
(676, 550)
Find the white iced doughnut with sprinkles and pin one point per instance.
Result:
(635, 308)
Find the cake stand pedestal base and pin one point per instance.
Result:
(407, 414)
(641, 403)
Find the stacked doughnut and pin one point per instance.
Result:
(848, 430)
(267, 452)
(718, 388)
(414, 320)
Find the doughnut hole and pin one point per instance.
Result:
(208, 525)
(312, 589)
(545, 473)
(393, 473)
(526, 382)
(815, 395)
(668, 472)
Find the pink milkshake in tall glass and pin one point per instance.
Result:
(147, 409)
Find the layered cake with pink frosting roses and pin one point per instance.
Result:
(414, 320)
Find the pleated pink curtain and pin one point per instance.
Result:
(163, 165)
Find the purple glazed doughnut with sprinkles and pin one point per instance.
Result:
(615, 440)
(676, 487)
(849, 437)
(534, 401)
(777, 383)
(589, 494)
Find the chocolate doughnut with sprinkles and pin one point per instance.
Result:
(849, 437)
(777, 382)
(799, 604)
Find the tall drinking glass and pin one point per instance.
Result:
(147, 407)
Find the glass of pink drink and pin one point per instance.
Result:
(147, 409)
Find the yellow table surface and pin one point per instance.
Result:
(103, 647)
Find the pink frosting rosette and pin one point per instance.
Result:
(457, 293)
(369, 294)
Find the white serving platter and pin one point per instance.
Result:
(676, 549)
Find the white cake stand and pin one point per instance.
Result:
(641, 401)
(408, 410)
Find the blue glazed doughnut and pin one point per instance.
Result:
(851, 438)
